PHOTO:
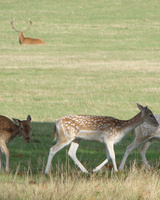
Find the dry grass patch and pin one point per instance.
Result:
(134, 184)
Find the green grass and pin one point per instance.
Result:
(100, 58)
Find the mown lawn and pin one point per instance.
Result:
(100, 58)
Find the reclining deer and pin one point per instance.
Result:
(10, 130)
(27, 40)
(145, 134)
(107, 130)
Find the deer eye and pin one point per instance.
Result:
(151, 115)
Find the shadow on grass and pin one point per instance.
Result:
(32, 157)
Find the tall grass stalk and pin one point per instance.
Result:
(136, 183)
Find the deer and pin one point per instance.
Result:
(26, 40)
(145, 135)
(8, 131)
(71, 129)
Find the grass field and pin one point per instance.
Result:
(100, 58)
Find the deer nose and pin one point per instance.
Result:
(27, 139)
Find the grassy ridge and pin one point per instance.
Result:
(101, 57)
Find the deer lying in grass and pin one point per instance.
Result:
(145, 134)
(27, 40)
(8, 131)
(107, 130)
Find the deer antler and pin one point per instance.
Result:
(14, 26)
(19, 30)
(28, 26)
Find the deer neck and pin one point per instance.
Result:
(131, 124)
(17, 131)
(21, 37)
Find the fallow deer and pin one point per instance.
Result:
(145, 134)
(103, 129)
(27, 40)
(10, 130)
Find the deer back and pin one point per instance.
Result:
(7, 128)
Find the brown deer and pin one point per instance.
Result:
(27, 40)
(145, 134)
(107, 130)
(10, 130)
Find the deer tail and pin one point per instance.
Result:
(132, 132)
(55, 131)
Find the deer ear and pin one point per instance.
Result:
(140, 107)
(17, 121)
(29, 118)
(143, 109)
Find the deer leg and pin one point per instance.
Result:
(104, 162)
(6, 152)
(53, 150)
(142, 151)
(0, 158)
(129, 149)
(72, 153)
(110, 146)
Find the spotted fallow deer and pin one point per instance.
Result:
(145, 134)
(27, 40)
(10, 130)
(107, 130)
